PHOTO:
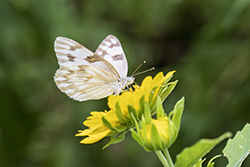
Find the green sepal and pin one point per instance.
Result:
(155, 138)
(141, 102)
(119, 113)
(159, 108)
(116, 139)
(166, 81)
(175, 116)
(134, 120)
(147, 113)
(132, 110)
(191, 155)
(108, 125)
(151, 95)
(151, 102)
(165, 90)
(136, 137)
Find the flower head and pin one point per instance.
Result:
(149, 89)
(118, 119)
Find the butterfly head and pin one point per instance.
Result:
(126, 81)
(130, 80)
(122, 84)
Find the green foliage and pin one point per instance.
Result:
(206, 42)
(167, 89)
(238, 148)
(193, 154)
(199, 163)
(116, 139)
(108, 125)
(176, 114)
(119, 113)
(211, 163)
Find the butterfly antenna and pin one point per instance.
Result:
(144, 71)
(144, 62)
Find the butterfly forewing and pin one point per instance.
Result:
(111, 50)
(70, 52)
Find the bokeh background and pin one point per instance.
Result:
(206, 42)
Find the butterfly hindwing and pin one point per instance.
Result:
(82, 75)
(83, 82)
(111, 50)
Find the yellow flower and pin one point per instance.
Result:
(97, 130)
(111, 123)
(149, 87)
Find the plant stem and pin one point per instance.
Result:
(168, 157)
(162, 158)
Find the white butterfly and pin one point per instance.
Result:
(84, 75)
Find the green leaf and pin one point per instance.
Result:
(238, 148)
(191, 155)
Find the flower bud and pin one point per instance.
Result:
(158, 134)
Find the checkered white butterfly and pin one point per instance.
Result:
(84, 75)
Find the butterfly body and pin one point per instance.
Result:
(84, 75)
(122, 83)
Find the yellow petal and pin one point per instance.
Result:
(94, 138)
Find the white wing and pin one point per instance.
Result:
(70, 52)
(83, 82)
(111, 50)
(83, 75)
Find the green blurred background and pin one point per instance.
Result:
(206, 42)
